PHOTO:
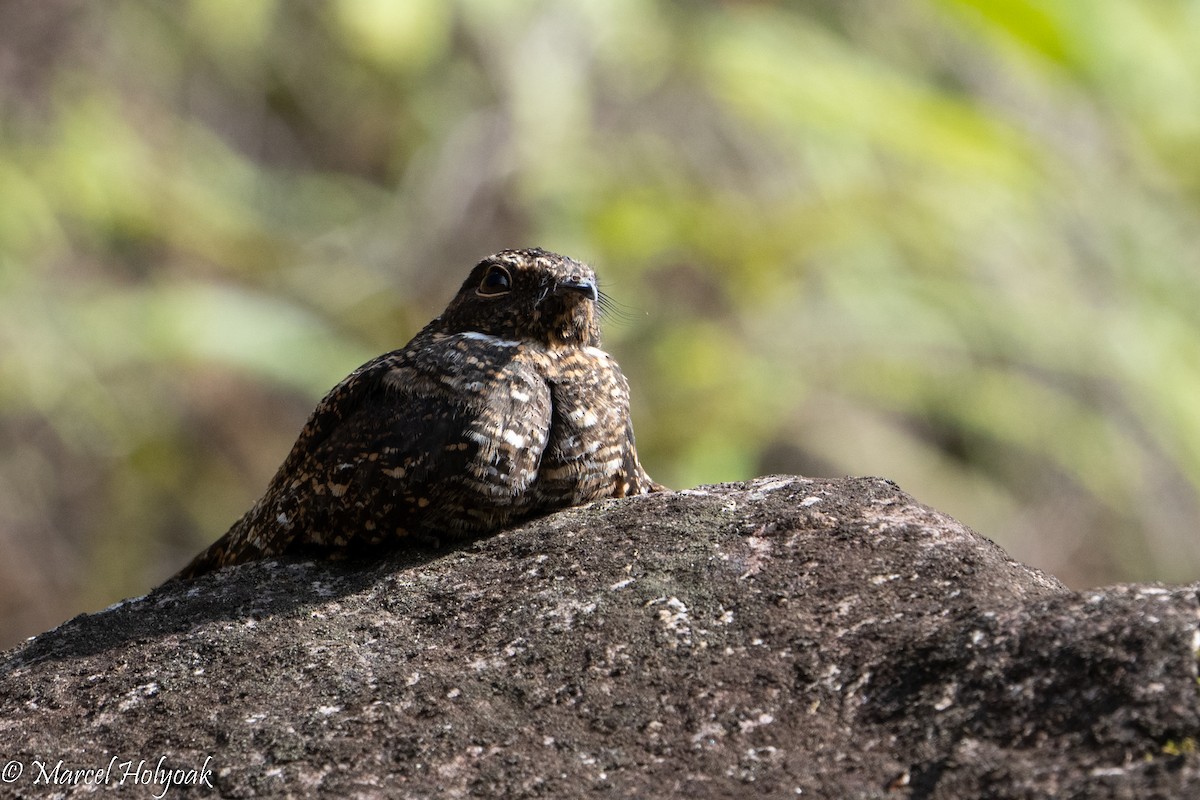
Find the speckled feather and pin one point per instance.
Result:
(502, 408)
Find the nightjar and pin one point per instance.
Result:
(501, 409)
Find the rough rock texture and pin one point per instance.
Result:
(779, 638)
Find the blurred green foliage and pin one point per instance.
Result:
(950, 242)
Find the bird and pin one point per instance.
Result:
(501, 409)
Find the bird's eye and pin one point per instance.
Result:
(495, 281)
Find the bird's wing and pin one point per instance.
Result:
(392, 444)
(249, 538)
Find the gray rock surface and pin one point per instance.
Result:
(779, 638)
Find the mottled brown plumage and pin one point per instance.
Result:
(502, 408)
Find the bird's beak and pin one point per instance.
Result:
(582, 286)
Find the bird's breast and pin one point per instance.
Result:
(588, 434)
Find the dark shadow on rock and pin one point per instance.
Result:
(264, 588)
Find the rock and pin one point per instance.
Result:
(778, 638)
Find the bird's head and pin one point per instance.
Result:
(528, 295)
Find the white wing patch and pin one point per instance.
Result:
(489, 338)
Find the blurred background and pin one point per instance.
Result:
(949, 242)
